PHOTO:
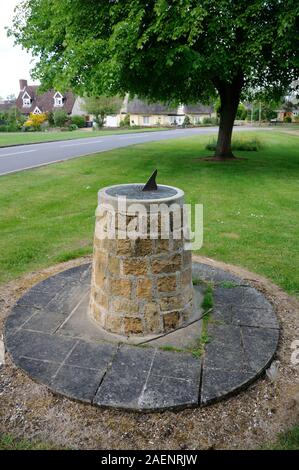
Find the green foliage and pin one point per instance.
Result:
(241, 112)
(187, 121)
(288, 440)
(60, 117)
(72, 127)
(249, 145)
(11, 120)
(208, 301)
(210, 121)
(125, 122)
(78, 120)
(124, 42)
(287, 119)
(50, 116)
(178, 51)
(101, 106)
(8, 442)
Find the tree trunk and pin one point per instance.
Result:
(229, 96)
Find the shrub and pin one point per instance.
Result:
(250, 145)
(241, 112)
(50, 116)
(73, 127)
(187, 121)
(35, 121)
(60, 117)
(287, 119)
(210, 120)
(125, 122)
(79, 121)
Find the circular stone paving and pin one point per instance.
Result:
(50, 336)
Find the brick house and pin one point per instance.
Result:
(30, 101)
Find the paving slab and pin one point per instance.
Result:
(77, 382)
(218, 384)
(125, 380)
(50, 335)
(42, 371)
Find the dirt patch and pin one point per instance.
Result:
(220, 160)
(230, 235)
(245, 421)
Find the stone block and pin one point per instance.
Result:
(152, 318)
(120, 286)
(101, 298)
(132, 325)
(166, 283)
(143, 247)
(123, 305)
(186, 278)
(124, 247)
(144, 288)
(170, 303)
(162, 246)
(113, 265)
(171, 320)
(135, 266)
(114, 323)
(168, 264)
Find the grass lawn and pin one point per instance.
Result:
(13, 138)
(250, 206)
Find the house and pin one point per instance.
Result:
(293, 114)
(5, 105)
(30, 101)
(158, 114)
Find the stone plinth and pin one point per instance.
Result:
(141, 283)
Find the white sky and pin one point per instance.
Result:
(15, 62)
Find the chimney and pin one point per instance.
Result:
(23, 84)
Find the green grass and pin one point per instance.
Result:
(250, 206)
(250, 145)
(8, 442)
(12, 138)
(286, 441)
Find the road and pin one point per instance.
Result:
(24, 157)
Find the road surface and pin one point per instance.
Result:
(24, 157)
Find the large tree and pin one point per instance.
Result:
(166, 50)
(101, 106)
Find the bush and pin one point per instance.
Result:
(187, 121)
(60, 117)
(210, 120)
(73, 127)
(50, 117)
(250, 145)
(79, 121)
(287, 119)
(241, 114)
(125, 122)
(35, 121)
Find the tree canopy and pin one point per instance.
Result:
(178, 50)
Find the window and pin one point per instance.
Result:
(58, 99)
(37, 111)
(145, 119)
(26, 100)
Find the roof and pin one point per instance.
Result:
(198, 108)
(44, 101)
(6, 105)
(137, 106)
